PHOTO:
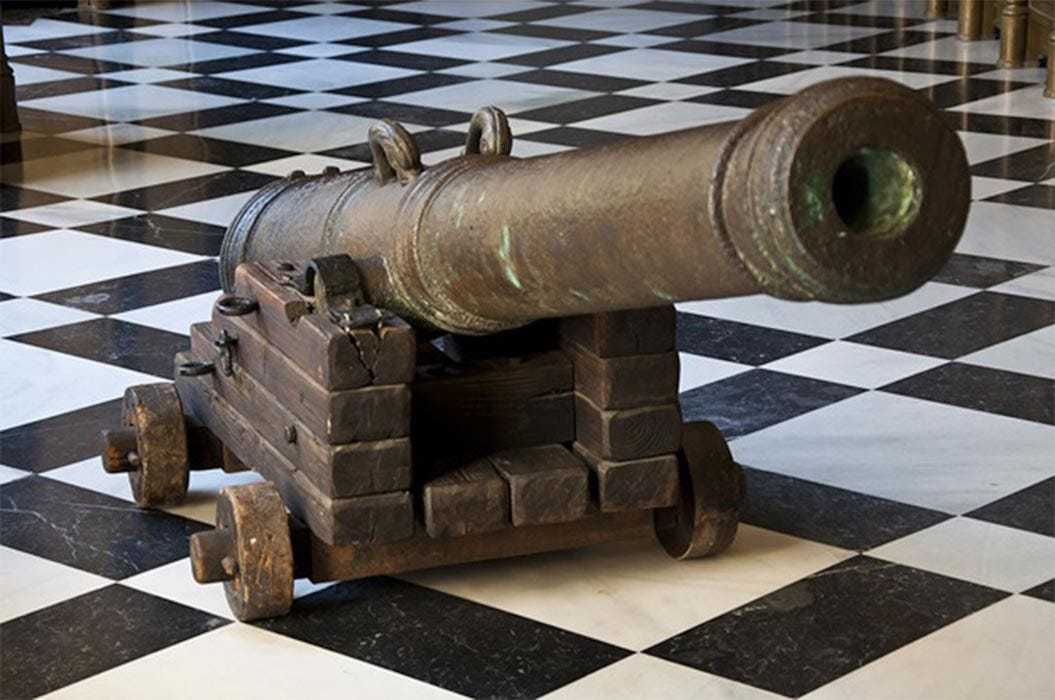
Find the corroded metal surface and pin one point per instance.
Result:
(852, 190)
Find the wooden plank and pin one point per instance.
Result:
(634, 484)
(349, 415)
(468, 410)
(472, 498)
(346, 563)
(351, 469)
(622, 333)
(335, 521)
(335, 358)
(547, 484)
(630, 433)
(632, 381)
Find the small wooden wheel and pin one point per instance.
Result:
(250, 551)
(711, 487)
(153, 449)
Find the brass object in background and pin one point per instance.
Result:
(1013, 34)
(970, 17)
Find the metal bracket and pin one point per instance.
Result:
(225, 343)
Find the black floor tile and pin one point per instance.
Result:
(248, 41)
(1032, 509)
(399, 86)
(230, 88)
(154, 229)
(1045, 591)
(218, 116)
(398, 59)
(382, 14)
(1032, 165)
(66, 62)
(59, 440)
(409, 113)
(1040, 196)
(847, 19)
(983, 389)
(114, 296)
(957, 92)
(446, 641)
(4, 296)
(963, 326)
(438, 139)
(114, 342)
(563, 54)
(83, 636)
(403, 36)
(225, 65)
(105, 19)
(741, 75)
(209, 150)
(85, 41)
(704, 26)
(818, 629)
(888, 41)
(548, 32)
(919, 65)
(195, 189)
(53, 88)
(54, 122)
(977, 271)
(828, 514)
(25, 150)
(580, 110)
(539, 13)
(13, 197)
(577, 81)
(739, 342)
(89, 530)
(13, 227)
(573, 136)
(759, 398)
(722, 48)
(748, 99)
(251, 18)
(1001, 124)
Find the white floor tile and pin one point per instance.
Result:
(668, 91)
(310, 164)
(157, 53)
(174, 316)
(180, 11)
(928, 454)
(330, 8)
(1003, 651)
(633, 41)
(504, 94)
(793, 82)
(794, 35)
(45, 28)
(474, 25)
(984, 187)
(29, 583)
(244, 661)
(73, 258)
(482, 69)
(642, 676)
(657, 119)
(148, 75)
(218, 212)
(1031, 74)
(885, 8)
(983, 147)
(826, 320)
(1009, 232)
(116, 134)
(36, 383)
(853, 364)
(26, 315)
(95, 172)
(175, 29)
(631, 593)
(820, 57)
(651, 64)
(8, 474)
(697, 370)
(1028, 102)
(1031, 353)
(301, 131)
(623, 20)
(315, 100)
(480, 47)
(26, 74)
(1040, 284)
(72, 213)
(951, 49)
(993, 555)
(318, 74)
(321, 50)
(14, 50)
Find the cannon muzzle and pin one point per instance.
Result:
(852, 190)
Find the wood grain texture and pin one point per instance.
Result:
(651, 482)
(470, 499)
(547, 484)
(350, 469)
(627, 433)
(632, 381)
(621, 333)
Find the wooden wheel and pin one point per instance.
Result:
(153, 446)
(250, 551)
(711, 488)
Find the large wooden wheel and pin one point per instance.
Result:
(152, 447)
(711, 488)
(250, 551)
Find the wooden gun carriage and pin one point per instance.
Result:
(478, 359)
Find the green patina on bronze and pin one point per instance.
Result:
(507, 262)
(876, 192)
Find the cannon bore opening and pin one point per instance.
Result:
(876, 192)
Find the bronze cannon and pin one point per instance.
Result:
(477, 359)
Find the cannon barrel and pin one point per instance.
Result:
(852, 190)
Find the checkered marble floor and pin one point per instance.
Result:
(899, 537)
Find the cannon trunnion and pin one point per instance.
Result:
(478, 360)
